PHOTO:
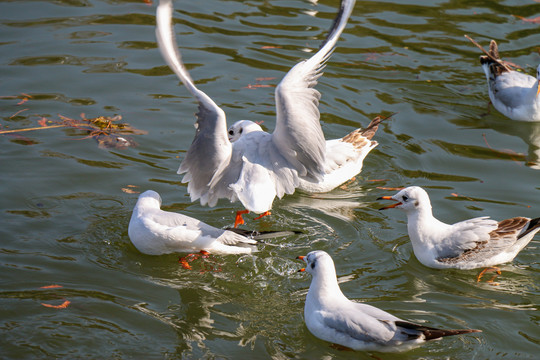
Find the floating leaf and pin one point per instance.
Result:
(129, 189)
(64, 305)
(51, 286)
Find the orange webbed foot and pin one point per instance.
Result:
(266, 213)
(239, 220)
(494, 269)
(208, 265)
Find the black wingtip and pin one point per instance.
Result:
(434, 333)
(533, 225)
(438, 333)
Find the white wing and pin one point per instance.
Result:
(362, 322)
(481, 238)
(211, 147)
(466, 236)
(298, 134)
(511, 88)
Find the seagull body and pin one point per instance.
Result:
(330, 316)
(469, 244)
(512, 93)
(344, 157)
(259, 167)
(156, 232)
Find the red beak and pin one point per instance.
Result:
(389, 206)
(301, 257)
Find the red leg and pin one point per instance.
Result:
(239, 220)
(494, 269)
(266, 213)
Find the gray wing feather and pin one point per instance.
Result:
(298, 134)
(211, 145)
(511, 88)
(479, 238)
(363, 322)
(465, 236)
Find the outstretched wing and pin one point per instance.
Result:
(298, 134)
(210, 147)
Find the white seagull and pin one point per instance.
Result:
(513, 93)
(468, 244)
(330, 316)
(344, 157)
(260, 166)
(156, 232)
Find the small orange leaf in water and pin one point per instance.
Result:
(54, 286)
(270, 47)
(64, 305)
(454, 194)
(390, 188)
(130, 189)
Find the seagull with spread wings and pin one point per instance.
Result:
(260, 166)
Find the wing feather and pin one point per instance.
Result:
(482, 238)
(211, 145)
(298, 134)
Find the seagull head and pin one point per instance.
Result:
(149, 199)
(412, 198)
(242, 127)
(316, 261)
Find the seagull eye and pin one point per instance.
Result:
(405, 197)
(231, 132)
(241, 130)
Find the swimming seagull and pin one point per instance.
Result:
(469, 244)
(330, 316)
(514, 94)
(344, 157)
(260, 166)
(156, 232)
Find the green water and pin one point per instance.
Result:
(65, 210)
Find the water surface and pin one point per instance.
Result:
(66, 202)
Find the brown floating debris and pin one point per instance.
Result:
(106, 130)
